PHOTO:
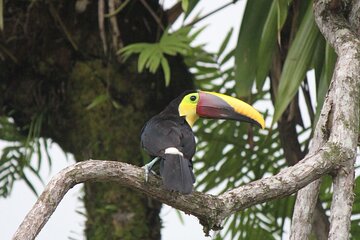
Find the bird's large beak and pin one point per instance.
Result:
(220, 106)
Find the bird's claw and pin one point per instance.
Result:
(147, 168)
(146, 172)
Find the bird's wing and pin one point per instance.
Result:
(160, 135)
(165, 138)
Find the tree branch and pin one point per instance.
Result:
(116, 37)
(342, 202)
(335, 28)
(345, 123)
(304, 210)
(173, 13)
(321, 224)
(354, 16)
(302, 220)
(209, 209)
(101, 11)
(338, 123)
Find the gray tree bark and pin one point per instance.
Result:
(339, 121)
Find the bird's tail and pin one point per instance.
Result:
(176, 173)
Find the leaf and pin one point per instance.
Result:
(39, 155)
(247, 45)
(180, 216)
(191, 5)
(297, 62)
(8, 131)
(319, 59)
(282, 12)
(46, 147)
(127, 51)
(185, 5)
(195, 34)
(166, 69)
(227, 57)
(1, 15)
(154, 63)
(98, 100)
(225, 42)
(29, 184)
(15, 158)
(273, 25)
(152, 55)
(145, 56)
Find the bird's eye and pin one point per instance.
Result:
(193, 98)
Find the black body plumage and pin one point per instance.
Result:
(169, 130)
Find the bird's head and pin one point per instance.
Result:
(217, 106)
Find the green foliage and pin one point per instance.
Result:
(270, 33)
(230, 154)
(15, 161)
(246, 51)
(188, 6)
(260, 221)
(185, 5)
(98, 100)
(259, 31)
(297, 63)
(153, 55)
(1, 15)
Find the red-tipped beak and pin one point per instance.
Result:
(220, 106)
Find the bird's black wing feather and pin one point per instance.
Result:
(160, 134)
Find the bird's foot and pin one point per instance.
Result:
(147, 168)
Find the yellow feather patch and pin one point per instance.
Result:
(187, 108)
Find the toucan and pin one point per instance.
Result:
(168, 137)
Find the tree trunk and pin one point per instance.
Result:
(56, 63)
(291, 116)
(339, 122)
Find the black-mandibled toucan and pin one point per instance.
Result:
(168, 136)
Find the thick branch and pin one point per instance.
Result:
(354, 16)
(346, 113)
(338, 123)
(302, 219)
(210, 210)
(321, 228)
(342, 202)
(335, 28)
(304, 210)
(345, 130)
